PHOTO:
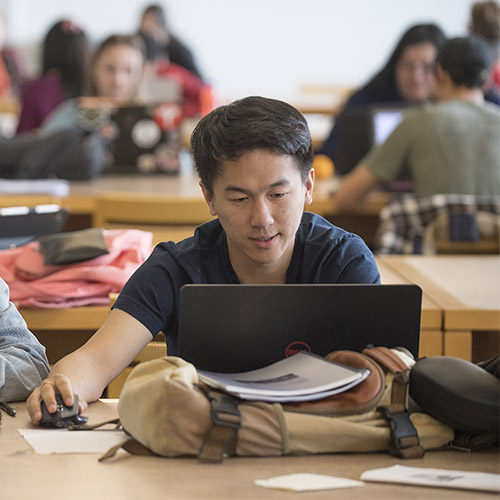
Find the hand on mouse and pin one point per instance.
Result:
(47, 391)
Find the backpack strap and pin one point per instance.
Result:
(222, 438)
(405, 442)
(390, 361)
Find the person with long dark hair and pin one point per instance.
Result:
(62, 76)
(406, 79)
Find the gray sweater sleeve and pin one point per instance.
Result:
(23, 363)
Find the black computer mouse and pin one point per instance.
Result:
(63, 416)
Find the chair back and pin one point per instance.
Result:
(168, 217)
(442, 223)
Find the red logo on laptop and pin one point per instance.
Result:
(296, 347)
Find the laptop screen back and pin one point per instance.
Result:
(143, 138)
(20, 225)
(234, 328)
(384, 121)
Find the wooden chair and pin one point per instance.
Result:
(436, 238)
(168, 217)
(322, 98)
(440, 224)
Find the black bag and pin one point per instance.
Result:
(73, 246)
(72, 154)
(460, 394)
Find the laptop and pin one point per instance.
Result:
(359, 129)
(383, 122)
(235, 328)
(20, 225)
(145, 138)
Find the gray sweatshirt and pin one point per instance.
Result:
(23, 363)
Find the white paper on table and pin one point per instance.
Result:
(47, 441)
(307, 482)
(434, 477)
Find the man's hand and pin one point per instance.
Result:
(47, 392)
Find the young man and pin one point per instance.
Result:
(449, 147)
(254, 160)
(23, 363)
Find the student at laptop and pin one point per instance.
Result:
(115, 72)
(254, 160)
(448, 147)
(406, 79)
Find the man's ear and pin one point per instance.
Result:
(309, 184)
(209, 199)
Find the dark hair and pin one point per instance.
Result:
(467, 60)
(65, 50)
(134, 41)
(157, 11)
(485, 20)
(419, 33)
(245, 125)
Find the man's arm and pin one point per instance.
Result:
(89, 369)
(353, 188)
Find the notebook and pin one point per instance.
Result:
(20, 225)
(235, 328)
(145, 138)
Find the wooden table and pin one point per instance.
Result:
(431, 334)
(26, 475)
(64, 330)
(81, 200)
(467, 289)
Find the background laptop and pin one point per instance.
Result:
(145, 137)
(359, 129)
(20, 225)
(234, 328)
(383, 122)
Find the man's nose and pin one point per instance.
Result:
(261, 214)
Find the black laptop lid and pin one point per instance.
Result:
(20, 225)
(234, 328)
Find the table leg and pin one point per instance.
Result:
(431, 343)
(458, 344)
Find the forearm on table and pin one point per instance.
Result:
(87, 379)
(354, 187)
(104, 356)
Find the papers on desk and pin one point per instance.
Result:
(55, 187)
(307, 482)
(48, 441)
(302, 377)
(442, 478)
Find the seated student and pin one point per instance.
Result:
(23, 363)
(406, 79)
(115, 72)
(153, 30)
(485, 22)
(64, 58)
(254, 160)
(448, 147)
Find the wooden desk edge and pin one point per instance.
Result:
(71, 318)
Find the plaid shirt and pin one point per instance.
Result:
(403, 221)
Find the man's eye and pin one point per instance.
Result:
(239, 200)
(279, 195)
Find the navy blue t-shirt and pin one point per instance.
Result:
(323, 253)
